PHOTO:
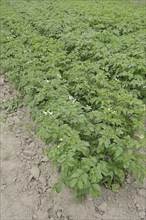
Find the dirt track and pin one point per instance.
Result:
(27, 179)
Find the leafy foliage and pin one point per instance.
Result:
(12, 105)
(81, 69)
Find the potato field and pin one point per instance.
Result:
(80, 68)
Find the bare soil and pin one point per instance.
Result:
(27, 179)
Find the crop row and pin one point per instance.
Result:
(114, 39)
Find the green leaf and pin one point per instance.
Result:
(96, 187)
(58, 186)
(80, 184)
(95, 190)
(74, 175)
(115, 187)
(73, 182)
(118, 152)
(85, 178)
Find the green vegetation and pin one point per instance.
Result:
(80, 67)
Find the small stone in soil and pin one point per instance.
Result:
(50, 212)
(34, 216)
(29, 153)
(44, 216)
(30, 178)
(120, 205)
(45, 159)
(137, 206)
(18, 134)
(35, 172)
(59, 214)
(29, 141)
(129, 206)
(37, 162)
(134, 201)
(2, 81)
(40, 151)
(32, 145)
(90, 199)
(14, 179)
(3, 187)
(43, 180)
(98, 216)
(128, 180)
(102, 207)
(141, 192)
(36, 207)
(142, 214)
(26, 136)
(129, 196)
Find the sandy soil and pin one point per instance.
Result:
(27, 178)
